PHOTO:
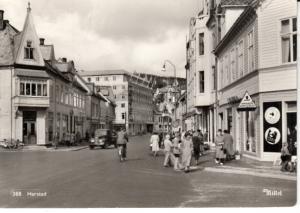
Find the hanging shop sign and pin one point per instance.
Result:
(246, 104)
(272, 126)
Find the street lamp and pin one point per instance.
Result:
(164, 69)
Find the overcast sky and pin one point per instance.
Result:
(111, 34)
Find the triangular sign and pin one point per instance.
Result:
(246, 103)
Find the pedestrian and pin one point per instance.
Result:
(228, 145)
(161, 137)
(122, 140)
(219, 141)
(187, 149)
(285, 158)
(196, 146)
(176, 151)
(154, 143)
(168, 151)
(201, 138)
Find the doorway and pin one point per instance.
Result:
(29, 127)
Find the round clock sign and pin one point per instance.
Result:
(272, 115)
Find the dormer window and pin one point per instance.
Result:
(28, 51)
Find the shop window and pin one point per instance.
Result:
(50, 126)
(291, 122)
(250, 144)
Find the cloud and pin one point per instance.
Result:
(100, 34)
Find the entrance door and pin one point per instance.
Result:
(29, 127)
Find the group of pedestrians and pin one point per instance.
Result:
(224, 147)
(179, 149)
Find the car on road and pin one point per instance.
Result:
(103, 138)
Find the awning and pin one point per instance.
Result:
(31, 73)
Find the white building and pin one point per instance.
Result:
(258, 54)
(200, 68)
(133, 98)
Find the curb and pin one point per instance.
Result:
(46, 150)
(252, 172)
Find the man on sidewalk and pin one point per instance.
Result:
(169, 158)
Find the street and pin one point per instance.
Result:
(96, 178)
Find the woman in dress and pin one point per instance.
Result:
(187, 150)
(220, 156)
(176, 151)
(154, 143)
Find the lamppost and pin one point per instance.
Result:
(174, 86)
(164, 69)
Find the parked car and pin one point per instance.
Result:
(103, 138)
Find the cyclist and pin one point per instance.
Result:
(122, 140)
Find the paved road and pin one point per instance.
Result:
(95, 178)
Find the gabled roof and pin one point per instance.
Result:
(6, 44)
(29, 34)
(247, 15)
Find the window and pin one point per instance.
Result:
(221, 78)
(201, 81)
(44, 89)
(28, 51)
(201, 44)
(289, 40)
(232, 64)
(114, 87)
(123, 105)
(241, 58)
(105, 78)
(250, 52)
(123, 116)
(33, 89)
(226, 71)
(89, 79)
(114, 78)
(123, 87)
(27, 88)
(123, 96)
(97, 78)
(22, 89)
(39, 90)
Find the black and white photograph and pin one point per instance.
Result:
(149, 103)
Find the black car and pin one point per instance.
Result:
(103, 138)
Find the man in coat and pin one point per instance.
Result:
(228, 145)
(122, 140)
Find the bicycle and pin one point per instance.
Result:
(122, 152)
(12, 144)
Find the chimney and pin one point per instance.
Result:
(42, 41)
(1, 19)
(64, 60)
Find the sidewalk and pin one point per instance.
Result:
(246, 166)
(33, 148)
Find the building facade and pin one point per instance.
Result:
(133, 98)
(42, 99)
(257, 54)
(200, 68)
